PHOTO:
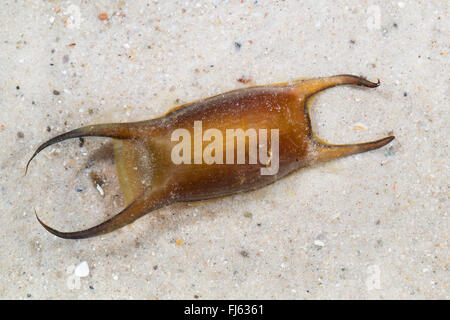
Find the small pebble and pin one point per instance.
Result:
(103, 16)
(20, 135)
(359, 126)
(248, 215)
(82, 270)
(389, 152)
(56, 92)
(244, 80)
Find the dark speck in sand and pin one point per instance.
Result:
(56, 92)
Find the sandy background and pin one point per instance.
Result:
(373, 225)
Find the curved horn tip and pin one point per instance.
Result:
(26, 167)
(387, 139)
(366, 83)
(64, 235)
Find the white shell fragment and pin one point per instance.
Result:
(82, 270)
(100, 190)
(319, 243)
